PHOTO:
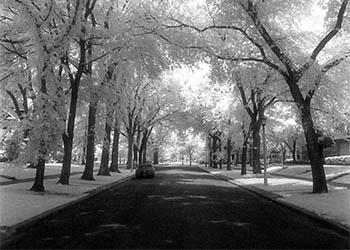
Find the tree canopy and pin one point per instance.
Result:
(144, 68)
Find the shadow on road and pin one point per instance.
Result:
(182, 207)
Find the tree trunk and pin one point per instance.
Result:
(106, 144)
(250, 154)
(38, 185)
(115, 149)
(220, 148)
(315, 152)
(136, 147)
(190, 159)
(294, 151)
(130, 151)
(229, 152)
(83, 157)
(68, 136)
(210, 150)
(283, 154)
(256, 151)
(237, 157)
(215, 146)
(244, 159)
(144, 153)
(135, 151)
(207, 151)
(67, 158)
(143, 147)
(90, 147)
(155, 156)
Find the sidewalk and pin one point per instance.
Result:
(19, 205)
(294, 190)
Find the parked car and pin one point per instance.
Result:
(145, 170)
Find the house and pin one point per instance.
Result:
(340, 147)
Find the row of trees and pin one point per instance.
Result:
(85, 61)
(265, 36)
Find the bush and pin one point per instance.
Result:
(290, 161)
(338, 160)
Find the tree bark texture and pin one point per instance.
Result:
(69, 134)
(220, 148)
(237, 157)
(155, 156)
(83, 157)
(90, 147)
(67, 158)
(38, 185)
(135, 152)
(256, 151)
(115, 149)
(210, 151)
(315, 152)
(244, 158)
(143, 147)
(106, 144)
(229, 152)
(294, 151)
(215, 157)
(129, 164)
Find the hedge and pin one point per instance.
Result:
(338, 160)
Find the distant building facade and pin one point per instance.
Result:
(340, 147)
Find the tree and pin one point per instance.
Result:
(90, 141)
(83, 47)
(255, 106)
(160, 136)
(43, 42)
(283, 129)
(114, 14)
(115, 147)
(292, 75)
(106, 141)
(190, 144)
(255, 28)
(164, 101)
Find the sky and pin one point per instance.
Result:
(314, 22)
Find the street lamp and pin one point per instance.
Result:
(263, 122)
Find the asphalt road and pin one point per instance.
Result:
(180, 208)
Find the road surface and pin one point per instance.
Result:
(182, 207)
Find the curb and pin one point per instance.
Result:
(9, 231)
(329, 182)
(52, 176)
(338, 227)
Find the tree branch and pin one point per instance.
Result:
(236, 28)
(326, 39)
(15, 104)
(244, 98)
(252, 13)
(324, 70)
(24, 96)
(7, 76)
